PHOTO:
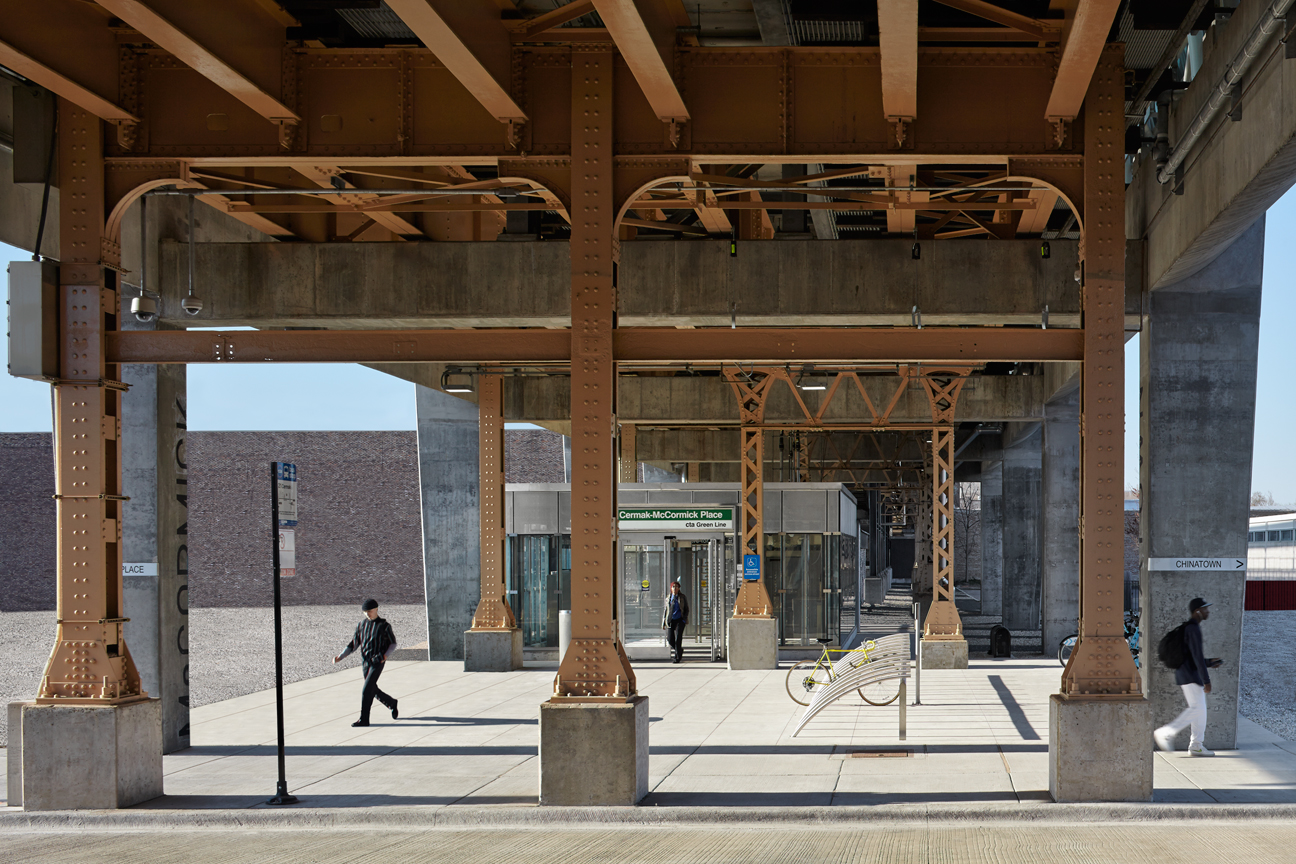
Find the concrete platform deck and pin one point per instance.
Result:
(719, 739)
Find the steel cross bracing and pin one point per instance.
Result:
(493, 610)
(752, 390)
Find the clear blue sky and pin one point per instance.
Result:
(350, 397)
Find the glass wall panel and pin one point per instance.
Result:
(537, 584)
(644, 591)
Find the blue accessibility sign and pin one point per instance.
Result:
(751, 566)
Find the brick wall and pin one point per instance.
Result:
(27, 549)
(533, 456)
(360, 531)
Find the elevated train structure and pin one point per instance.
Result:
(669, 229)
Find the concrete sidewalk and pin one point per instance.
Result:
(719, 739)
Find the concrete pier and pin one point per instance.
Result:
(1060, 523)
(1021, 530)
(594, 755)
(448, 482)
(1199, 352)
(992, 538)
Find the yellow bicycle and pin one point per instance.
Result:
(807, 677)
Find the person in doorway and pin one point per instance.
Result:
(1193, 677)
(674, 620)
(375, 641)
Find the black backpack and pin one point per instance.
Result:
(1170, 649)
(1000, 641)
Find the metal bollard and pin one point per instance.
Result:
(904, 709)
(917, 657)
(564, 632)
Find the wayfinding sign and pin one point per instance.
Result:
(751, 567)
(675, 519)
(286, 493)
(287, 553)
(1228, 565)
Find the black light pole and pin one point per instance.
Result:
(281, 791)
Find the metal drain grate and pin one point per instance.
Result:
(879, 754)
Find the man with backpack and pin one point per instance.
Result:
(1181, 650)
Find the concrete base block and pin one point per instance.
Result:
(492, 650)
(1100, 750)
(944, 654)
(13, 755)
(82, 757)
(752, 643)
(594, 755)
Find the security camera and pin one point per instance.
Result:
(144, 308)
(191, 305)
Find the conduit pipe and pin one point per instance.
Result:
(1270, 22)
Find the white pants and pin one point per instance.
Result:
(1194, 715)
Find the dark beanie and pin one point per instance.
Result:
(368, 604)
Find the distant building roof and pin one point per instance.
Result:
(1271, 513)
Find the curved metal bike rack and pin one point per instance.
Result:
(888, 659)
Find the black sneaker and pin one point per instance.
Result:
(360, 723)
(395, 711)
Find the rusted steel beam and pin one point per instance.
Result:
(340, 346)
(188, 49)
(925, 206)
(1043, 30)
(436, 33)
(898, 42)
(632, 344)
(639, 48)
(529, 27)
(840, 345)
(53, 80)
(1082, 45)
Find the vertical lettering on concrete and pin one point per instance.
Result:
(175, 593)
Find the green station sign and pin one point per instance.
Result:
(675, 518)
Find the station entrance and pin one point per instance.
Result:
(701, 563)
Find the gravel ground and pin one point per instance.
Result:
(1268, 681)
(231, 651)
(27, 638)
(223, 663)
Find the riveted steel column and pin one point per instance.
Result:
(629, 463)
(493, 611)
(595, 665)
(752, 390)
(1101, 665)
(90, 663)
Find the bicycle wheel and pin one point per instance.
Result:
(1065, 648)
(806, 679)
(881, 692)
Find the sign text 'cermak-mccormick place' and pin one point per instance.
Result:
(675, 519)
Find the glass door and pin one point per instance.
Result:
(643, 581)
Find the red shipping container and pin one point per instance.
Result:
(1280, 594)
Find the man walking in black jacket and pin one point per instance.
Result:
(375, 641)
(1194, 678)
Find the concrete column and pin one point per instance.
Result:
(992, 539)
(155, 522)
(1060, 486)
(448, 486)
(1198, 377)
(1021, 532)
